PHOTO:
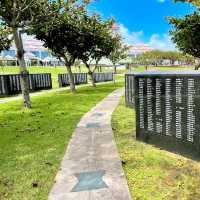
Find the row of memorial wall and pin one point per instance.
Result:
(79, 78)
(10, 84)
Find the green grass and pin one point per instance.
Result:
(33, 141)
(152, 173)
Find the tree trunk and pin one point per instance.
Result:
(115, 69)
(23, 70)
(197, 67)
(91, 74)
(71, 78)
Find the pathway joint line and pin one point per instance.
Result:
(91, 167)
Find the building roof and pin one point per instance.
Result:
(8, 57)
(30, 44)
(139, 49)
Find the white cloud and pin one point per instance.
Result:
(162, 42)
(130, 37)
(156, 41)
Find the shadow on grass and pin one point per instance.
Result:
(170, 144)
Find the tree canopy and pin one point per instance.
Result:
(119, 52)
(186, 33)
(100, 41)
(156, 57)
(62, 31)
(5, 42)
(71, 33)
(19, 13)
(194, 2)
(65, 27)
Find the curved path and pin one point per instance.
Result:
(91, 168)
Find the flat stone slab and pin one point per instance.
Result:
(91, 168)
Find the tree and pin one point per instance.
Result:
(156, 57)
(71, 33)
(99, 41)
(17, 15)
(62, 32)
(153, 57)
(186, 33)
(187, 59)
(119, 52)
(194, 2)
(172, 56)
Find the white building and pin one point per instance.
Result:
(139, 49)
(31, 46)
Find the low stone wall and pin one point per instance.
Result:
(10, 84)
(79, 78)
(129, 90)
(103, 77)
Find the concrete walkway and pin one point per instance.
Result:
(91, 168)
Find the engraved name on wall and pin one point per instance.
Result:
(166, 105)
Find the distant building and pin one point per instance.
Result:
(31, 46)
(139, 49)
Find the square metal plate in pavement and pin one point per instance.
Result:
(93, 125)
(97, 114)
(90, 181)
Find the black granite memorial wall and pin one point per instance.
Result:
(10, 83)
(79, 78)
(168, 108)
(129, 90)
(103, 77)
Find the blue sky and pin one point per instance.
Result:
(143, 21)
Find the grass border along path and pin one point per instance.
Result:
(33, 142)
(152, 173)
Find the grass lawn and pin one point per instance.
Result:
(33, 141)
(152, 173)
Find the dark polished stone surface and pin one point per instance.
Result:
(168, 104)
